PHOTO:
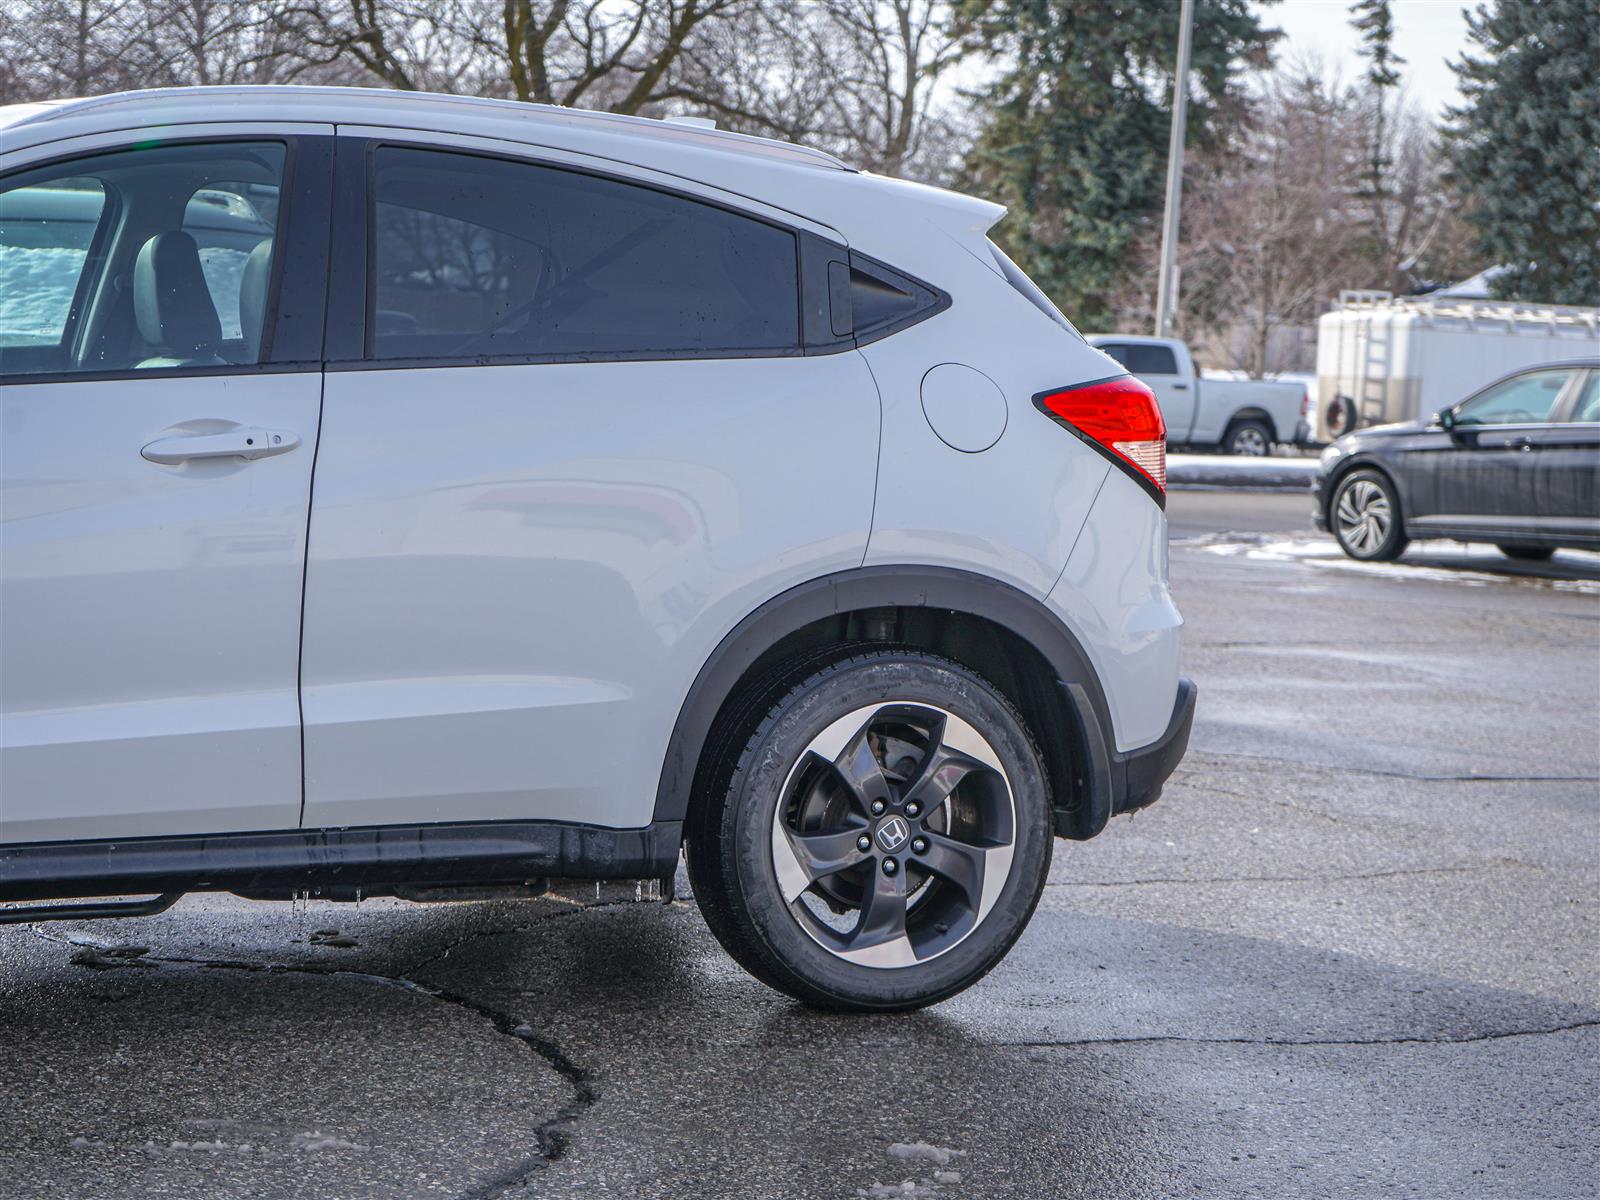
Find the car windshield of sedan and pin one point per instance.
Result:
(1520, 401)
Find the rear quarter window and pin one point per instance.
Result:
(477, 256)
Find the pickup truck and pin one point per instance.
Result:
(1244, 416)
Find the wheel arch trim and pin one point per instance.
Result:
(890, 586)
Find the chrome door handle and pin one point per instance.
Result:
(246, 442)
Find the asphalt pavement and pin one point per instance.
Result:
(1352, 952)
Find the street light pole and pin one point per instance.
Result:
(1167, 284)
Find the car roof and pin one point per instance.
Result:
(888, 218)
(356, 105)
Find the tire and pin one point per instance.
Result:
(1365, 517)
(969, 864)
(1527, 553)
(1341, 416)
(1249, 438)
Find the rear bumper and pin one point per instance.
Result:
(1122, 782)
(1146, 769)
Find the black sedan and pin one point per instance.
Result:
(1516, 464)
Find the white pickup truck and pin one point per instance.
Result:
(1235, 416)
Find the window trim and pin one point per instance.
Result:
(305, 192)
(344, 304)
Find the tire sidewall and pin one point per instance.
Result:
(757, 786)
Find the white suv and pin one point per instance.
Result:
(412, 495)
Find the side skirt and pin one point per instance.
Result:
(371, 860)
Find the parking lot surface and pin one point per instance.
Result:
(1352, 952)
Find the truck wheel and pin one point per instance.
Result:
(1250, 438)
(882, 839)
(1365, 517)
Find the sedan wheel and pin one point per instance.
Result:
(1366, 518)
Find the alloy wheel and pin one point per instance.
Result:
(894, 834)
(1249, 442)
(1364, 516)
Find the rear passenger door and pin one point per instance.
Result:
(1567, 480)
(571, 438)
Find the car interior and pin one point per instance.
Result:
(154, 258)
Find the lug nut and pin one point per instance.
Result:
(890, 866)
(913, 809)
(920, 845)
(877, 807)
(863, 842)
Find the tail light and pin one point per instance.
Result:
(1305, 404)
(1119, 418)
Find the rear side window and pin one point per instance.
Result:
(1142, 359)
(476, 256)
(1588, 406)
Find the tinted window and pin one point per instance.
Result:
(480, 256)
(1142, 359)
(1520, 400)
(138, 259)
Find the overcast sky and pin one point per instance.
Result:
(1427, 32)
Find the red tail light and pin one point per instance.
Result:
(1118, 417)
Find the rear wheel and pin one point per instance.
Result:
(1250, 438)
(1527, 553)
(882, 839)
(1365, 517)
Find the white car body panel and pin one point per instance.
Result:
(507, 626)
(149, 615)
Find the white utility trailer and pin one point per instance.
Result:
(1403, 359)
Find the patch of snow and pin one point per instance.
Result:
(322, 1141)
(36, 287)
(906, 1187)
(947, 1176)
(923, 1152)
(1326, 555)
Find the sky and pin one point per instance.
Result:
(1427, 33)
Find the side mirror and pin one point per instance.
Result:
(1445, 420)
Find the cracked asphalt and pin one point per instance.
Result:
(1352, 952)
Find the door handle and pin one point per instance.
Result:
(246, 442)
(1180, 387)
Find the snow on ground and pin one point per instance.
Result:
(1325, 554)
(36, 286)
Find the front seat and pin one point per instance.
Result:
(172, 305)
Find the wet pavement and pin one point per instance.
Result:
(1352, 952)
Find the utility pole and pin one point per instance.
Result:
(1167, 284)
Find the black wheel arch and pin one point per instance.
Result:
(998, 631)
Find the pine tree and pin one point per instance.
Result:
(1076, 128)
(1374, 21)
(1526, 146)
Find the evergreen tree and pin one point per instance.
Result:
(1075, 133)
(1374, 21)
(1527, 146)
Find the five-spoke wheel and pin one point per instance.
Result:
(894, 834)
(882, 838)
